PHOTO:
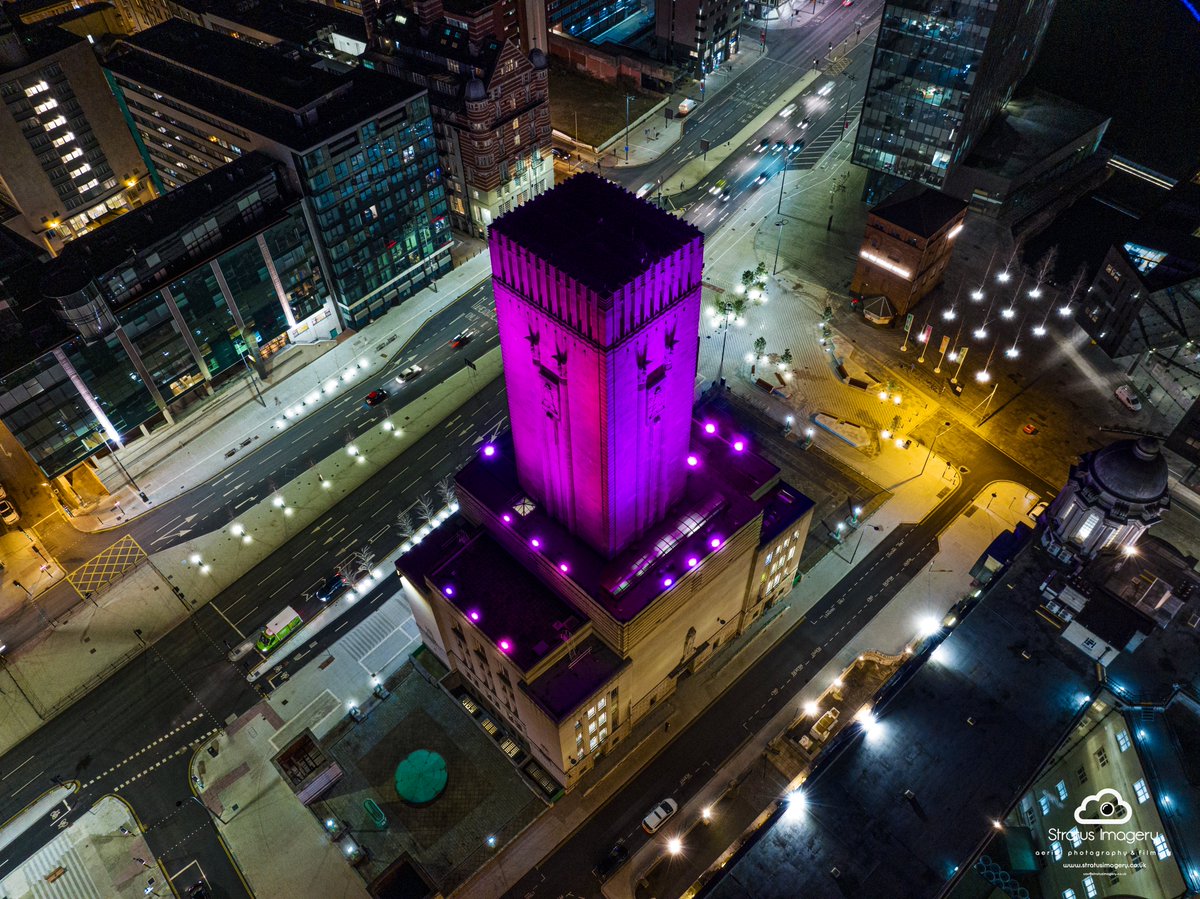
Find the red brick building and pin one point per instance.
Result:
(491, 111)
(907, 246)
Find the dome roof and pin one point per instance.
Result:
(1132, 470)
(537, 58)
(476, 91)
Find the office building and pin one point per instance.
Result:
(67, 162)
(909, 239)
(616, 539)
(697, 35)
(286, 24)
(939, 75)
(491, 114)
(586, 19)
(121, 16)
(139, 319)
(357, 145)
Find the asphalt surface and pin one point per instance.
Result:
(773, 682)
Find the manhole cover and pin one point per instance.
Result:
(963, 469)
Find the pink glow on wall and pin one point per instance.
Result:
(448, 590)
(506, 518)
(600, 387)
(739, 445)
(564, 567)
(693, 562)
(667, 582)
(505, 645)
(474, 615)
(715, 542)
(535, 542)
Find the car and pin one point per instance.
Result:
(375, 397)
(616, 857)
(763, 145)
(659, 815)
(716, 189)
(724, 196)
(761, 179)
(1031, 429)
(847, 2)
(825, 89)
(461, 339)
(780, 146)
(560, 153)
(408, 374)
(1129, 398)
(199, 890)
(806, 122)
(646, 188)
(797, 146)
(1035, 513)
(787, 110)
(3, 492)
(8, 512)
(332, 587)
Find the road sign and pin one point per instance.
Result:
(908, 323)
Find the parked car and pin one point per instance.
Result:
(8, 512)
(1031, 429)
(408, 374)
(375, 397)
(659, 815)
(1129, 398)
(333, 587)
(1035, 513)
(3, 492)
(199, 890)
(560, 153)
(616, 857)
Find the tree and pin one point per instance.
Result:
(786, 358)
(408, 527)
(446, 491)
(1045, 269)
(760, 347)
(426, 510)
(727, 310)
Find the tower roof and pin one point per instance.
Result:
(595, 231)
(1133, 470)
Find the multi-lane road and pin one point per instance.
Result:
(177, 691)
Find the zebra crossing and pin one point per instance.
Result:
(75, 881)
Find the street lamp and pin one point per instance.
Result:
(779, 239)
(628, 97)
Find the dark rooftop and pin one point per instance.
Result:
(295, 21)
(504, 601)
(100, 251)
(29, 324)
(596, 231)
(39, 41)
(785, 506)
(1114, 621)
(925, 212)
(263, 90)
(574, 678)
(962, 773)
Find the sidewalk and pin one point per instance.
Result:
(177, 458)
(90, 858)
(243, 786)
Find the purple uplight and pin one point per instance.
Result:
(564, 567)
(473, 615)
(448, 590)
(715, 542)
(693, 561)
(506, 518)
(535, 542)
(489, 450)
(693, 461)
(710, 428)
(739, 445)
(505, 645)
(667, 582)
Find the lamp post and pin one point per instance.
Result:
(628, 97)
(962, 357)
(125, 471)
(778, 241)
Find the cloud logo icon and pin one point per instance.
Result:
(1104, 807)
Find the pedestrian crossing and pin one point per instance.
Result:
(380, 638)
(75, 881)
(146, 751)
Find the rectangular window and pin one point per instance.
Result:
(1101, 757)
(592, 744)
(1122, 740)
(1089, 887)
(1140, 789)
(1135, 860)
(1068, 893)
(1062, 790)
(1075, 836)
(1044, 803)
(1081, 775)
(1161, 849)
(1056, 850)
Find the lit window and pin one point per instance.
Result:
(82, 170)
(593, 743)
(55, 122)
(1122, 740)
(1141, 791)
(1089, 525)
(1062, 790)
(603, 717)
(1056, 850)
(1075, 837)
(84, 188)
(603, 733)
(1161, 849)
(1089, 887)
(1044, 803)
(592, 712)
(1068, 893)
(74, 154)
(36, 89)
(591, 727)
(45, 107)
(64, 139)
(602, 703)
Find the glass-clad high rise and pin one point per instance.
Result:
(941, 71)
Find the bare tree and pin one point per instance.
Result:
(446, 491)
(426, 510)
(408, 527)
(1045, 269)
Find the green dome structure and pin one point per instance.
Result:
(421, 777)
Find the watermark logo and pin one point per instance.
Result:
(1105, 806)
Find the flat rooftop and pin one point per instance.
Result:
(1030, 127)
(38, 41)
(262, 90)
(595, 231)
(295, 21)
(963, 773)
(575, 678)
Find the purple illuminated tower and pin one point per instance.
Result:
(598, 306)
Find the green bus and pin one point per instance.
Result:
(277, 630)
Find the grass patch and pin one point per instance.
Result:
(600, 105)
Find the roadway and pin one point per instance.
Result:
(701, 748)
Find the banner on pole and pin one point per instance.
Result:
(926, 334)
(908, 322)
(945, 343)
